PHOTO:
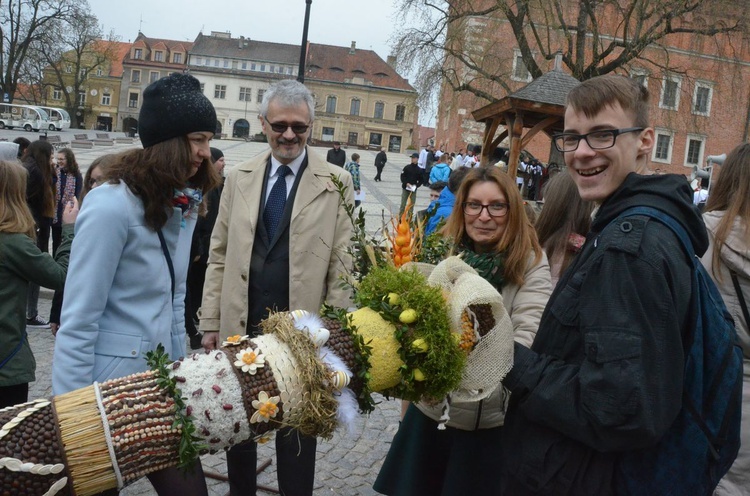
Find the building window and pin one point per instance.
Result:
(68, 68)
(226, 64)
(670, 93)
(663, 149)
(379, 110)
(133, 100)
(702, 98)
(252, 66)
(135, 76)
(177, 58)
(262, 67)
(99, 72)
(208, 61)
(289, 70)
(244, 66)
(641, 76)
(353, 137)
(153, 76)
(203, 86)
(376, 139)
(220, 91)
(106, 99)
(327, 134)
(138, 54)
(57, 94)
(82, 72)
(400, 111)
(331, 104)
(394, 144)
(520, 72)
(354, 107)
(272, 68)
(694, 150)
(245, 95)
(198, 60)
(158, 56)
(217, 62)
(259, 97)
(81, 98)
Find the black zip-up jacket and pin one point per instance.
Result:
(604, 375)
(411, 174)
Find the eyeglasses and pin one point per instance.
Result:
(597, 140)
(494, 209)
(281, 127)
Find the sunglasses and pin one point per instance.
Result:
(281, 127)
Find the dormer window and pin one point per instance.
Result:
(158, 56)
(177, 58)
(137, 53)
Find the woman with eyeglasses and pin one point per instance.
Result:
(492, 233)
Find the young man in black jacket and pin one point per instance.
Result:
(604, 376)
(412, 177)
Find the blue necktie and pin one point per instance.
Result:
(276, 201)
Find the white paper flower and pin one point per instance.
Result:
(265, 408)
(249, 360)
(235, 340)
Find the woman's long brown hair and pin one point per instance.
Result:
(15, 216)
(154, 173)
(519, 238)
(731, 194)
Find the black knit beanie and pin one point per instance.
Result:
(216, 154)
(174, 106)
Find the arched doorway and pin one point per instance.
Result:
(241, 129)
(130, 126)
(218, 130)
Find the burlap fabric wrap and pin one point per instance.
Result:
(492, 357)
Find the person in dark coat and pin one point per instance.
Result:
(336, 155)
(199, 254)
(603, 379)
(380, 159)
(412, 177)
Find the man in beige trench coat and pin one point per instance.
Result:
(280, 242)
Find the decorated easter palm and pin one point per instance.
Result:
(410, 339)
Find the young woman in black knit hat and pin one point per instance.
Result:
(126, 291)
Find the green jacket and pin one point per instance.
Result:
(21, 262)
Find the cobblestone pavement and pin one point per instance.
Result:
(348, 463)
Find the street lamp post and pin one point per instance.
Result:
(303, 48)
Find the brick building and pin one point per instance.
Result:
(700, 105)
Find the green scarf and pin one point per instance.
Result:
(491, 266)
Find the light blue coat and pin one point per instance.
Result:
(118, 298)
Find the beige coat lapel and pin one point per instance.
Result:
(250, 186)
(315, 180)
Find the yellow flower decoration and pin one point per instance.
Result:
(249, 360)
(235, 340)
(265, 408)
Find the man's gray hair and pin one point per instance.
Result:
(288, 93)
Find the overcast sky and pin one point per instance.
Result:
(333, 22)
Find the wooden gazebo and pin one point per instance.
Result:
(538, 106)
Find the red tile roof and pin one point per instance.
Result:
(339, 64)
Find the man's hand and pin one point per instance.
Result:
(210, 340)
(54, 327)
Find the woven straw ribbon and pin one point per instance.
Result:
(492, 357)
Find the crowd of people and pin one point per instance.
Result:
(601, 300)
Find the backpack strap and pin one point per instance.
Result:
(164, 249)
(715, 441)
